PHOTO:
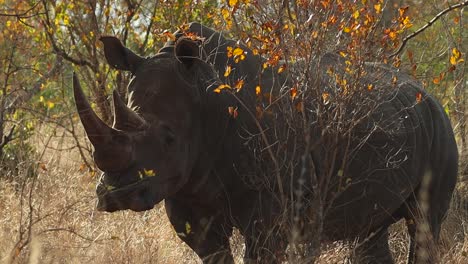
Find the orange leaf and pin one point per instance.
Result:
(169, 35)
(293, 92)
(239, 84)
(233, 111)
(258, 112)
(82, 167)
(326, 98)
(300, 107)
(43, 166)
(418, 97)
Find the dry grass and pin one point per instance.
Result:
(65, 227)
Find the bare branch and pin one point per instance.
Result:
(432, 21)
(21, 15)
(6, 139)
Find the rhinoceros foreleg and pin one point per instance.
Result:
(373, 249)
(206, 234)
(264, 246)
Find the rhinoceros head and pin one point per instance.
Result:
(149, 153)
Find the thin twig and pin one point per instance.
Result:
(432, 21)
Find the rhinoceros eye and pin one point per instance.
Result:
(168, 136)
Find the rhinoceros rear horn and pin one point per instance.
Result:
(125, 118)
(98, 132)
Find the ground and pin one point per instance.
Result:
(57, 222)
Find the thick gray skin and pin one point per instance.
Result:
(425, 137)
(212, 197)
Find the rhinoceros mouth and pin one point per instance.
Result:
(134, 196)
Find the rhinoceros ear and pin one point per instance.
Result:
(187, 50)
(118, 56)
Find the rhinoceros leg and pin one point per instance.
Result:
(373, 249)
(264, 246)
(423, 236)
(204, 233)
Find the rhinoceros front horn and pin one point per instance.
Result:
(125, 118)
(99, 133)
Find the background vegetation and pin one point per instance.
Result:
(47, 178)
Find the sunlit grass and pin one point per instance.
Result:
(64, 226)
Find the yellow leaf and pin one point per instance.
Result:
(229, 51)
(258, 90)
(239, 58)
(356, 14)
(453, 61)
(456, 57)
(238, 51)
(340, 173)
(50, 104)
(378, 8)
(149, 173)
(347, 29)
(66, 22)
(407, 22)
(225, 13)
(228, 71)
(232, 3)
(188, 228)
(221, 87)
(282, 68)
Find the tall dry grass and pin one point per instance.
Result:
(52, 219)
